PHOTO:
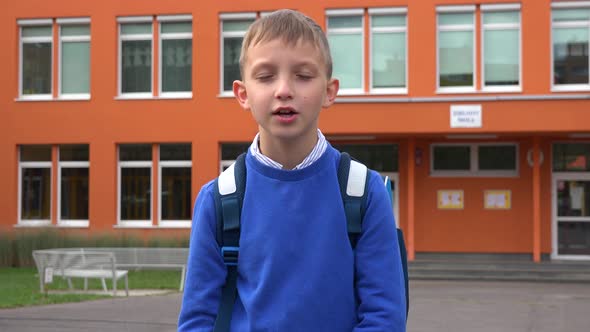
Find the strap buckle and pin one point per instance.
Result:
(230, 255)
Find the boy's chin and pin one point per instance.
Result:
(290, 135)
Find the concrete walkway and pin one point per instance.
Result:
(134, 313)
(435, 306)
(452, 306)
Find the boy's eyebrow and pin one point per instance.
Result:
(262, 65)
(304, 63)
(298, 65)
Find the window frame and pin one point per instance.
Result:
(474, 170)
(21, 41)
(163, 19)
(138, 37)
(233, 34)
(446, 9)
(349, 31)
(390, 11)
(127, 223)
(226, 163)
(171, 164)
(61, 22)
(568, 24)
(501, 27)
(552, 158)
(33, 164)
(82, 223)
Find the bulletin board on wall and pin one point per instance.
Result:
(497, 199)
(450, 199)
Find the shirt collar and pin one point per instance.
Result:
(315, 154)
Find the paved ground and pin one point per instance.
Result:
(436, 306)
(134, 313)
(499, 307)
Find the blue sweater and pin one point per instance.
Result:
(296, 269)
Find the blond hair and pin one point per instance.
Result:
(291, 27)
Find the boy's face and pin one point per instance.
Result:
(285, 87)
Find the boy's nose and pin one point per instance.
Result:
(284, 89)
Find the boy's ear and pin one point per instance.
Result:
(331, 92)
(240, 93)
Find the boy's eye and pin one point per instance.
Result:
(263, 77)
(305, 77)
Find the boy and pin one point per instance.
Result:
(296, 268)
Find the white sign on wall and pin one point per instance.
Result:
(465, 116)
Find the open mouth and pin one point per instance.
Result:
(284, 112)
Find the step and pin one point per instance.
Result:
(517, 267)
(487, 266)
(538, 278)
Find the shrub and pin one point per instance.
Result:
(6, 250)
(16, 249)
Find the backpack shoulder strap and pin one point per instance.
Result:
(231, 186)
(353, 179)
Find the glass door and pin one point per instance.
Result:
(393, 178)
(571, 216)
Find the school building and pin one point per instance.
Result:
(114, 114)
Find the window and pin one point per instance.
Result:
(35, 192)
(233, 28)
(378, 157)
(499, 52)
(452, 158)
(570, 33)
(483, 159)
(456, 39)
(135, 56)
(176, 45)
(571, 157)
(173, 197)
(388, 50)
(496, 157)
(136, 52)
(345, 35)
(501, 48)
(175, 185)
(230, 152)
(73, 185)
(135, 185)
(36, 58)
(387, 53)
(74, 74)
(34, 185)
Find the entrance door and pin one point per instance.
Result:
(394, 179)
(571, 216)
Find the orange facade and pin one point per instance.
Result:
(533, 118)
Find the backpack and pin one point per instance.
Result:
(231, 186)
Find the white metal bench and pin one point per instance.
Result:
(138, 258)
(150, 258)
(79, 263)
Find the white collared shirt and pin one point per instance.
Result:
(313, 156)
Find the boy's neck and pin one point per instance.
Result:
(287, 152)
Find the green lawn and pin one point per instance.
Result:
(20, 286)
